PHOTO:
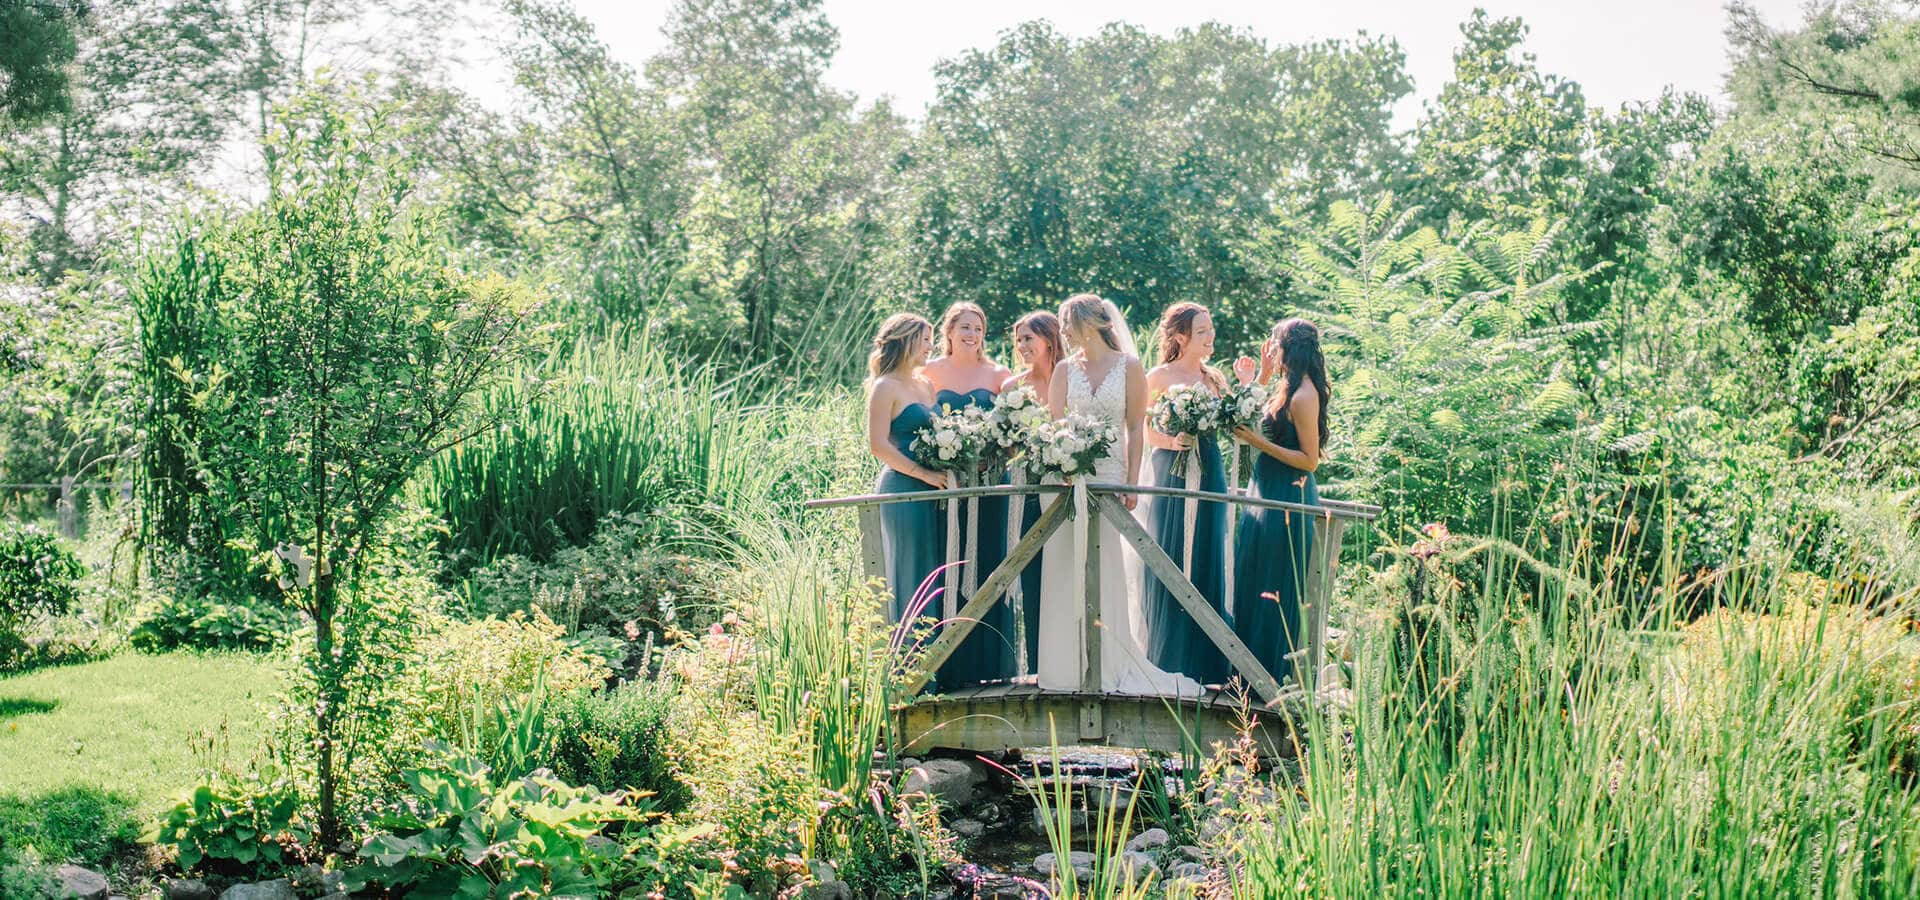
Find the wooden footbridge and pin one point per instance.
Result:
(1012, 714)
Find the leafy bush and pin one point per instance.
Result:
(209, 625)
(38, 577)
(459, 832)
(236, 830)
(463, 671)
(623, 576)
(619, 739)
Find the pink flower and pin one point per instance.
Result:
(633, 630)
(1436, 530)
(716, 628)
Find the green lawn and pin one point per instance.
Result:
(130, 724)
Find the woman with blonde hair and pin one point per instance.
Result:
(899, 403)
(962, 376)
(1103, 379)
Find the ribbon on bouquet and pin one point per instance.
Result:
(1232, 451)
(950, 582)
(1016, 596)
(1192, 506)
(1080, 521)
(971, 570)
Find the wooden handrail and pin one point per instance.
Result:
(1336, 509)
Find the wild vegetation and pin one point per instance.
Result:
(462, 547)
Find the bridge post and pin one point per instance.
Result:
(873, 546)
(1092, 726)
(1326, 557)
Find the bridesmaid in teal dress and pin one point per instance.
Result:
(899, 402)
(1274, 544)
(1175, 641)
(1037, 340)
(963, 376)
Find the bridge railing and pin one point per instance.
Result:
(1330, 520)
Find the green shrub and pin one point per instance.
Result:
(77, 824)
(462, 671)
(38, 577)
(235, 830)
(618, 739)
(459, 832)
(208, 625)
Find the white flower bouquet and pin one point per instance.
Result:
(1242, 405)
(1017, 414)
(954, 441)
(1186, 409)
(1069, 447)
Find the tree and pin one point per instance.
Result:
(325, 348)
(1132, 164)
(34, 54)
(1849, 62)
(150, 87)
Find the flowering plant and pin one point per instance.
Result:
(1242, 404)
(1069, 447)
(954, 441)
(1186, 409)
(1017, 413)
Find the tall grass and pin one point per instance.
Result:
(619, 424)
(1545, 745)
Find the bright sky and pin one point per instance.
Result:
(1617, 50)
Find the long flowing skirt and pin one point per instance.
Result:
(1271, 553)
(1174, 640)
(914, 539)
(987, 653)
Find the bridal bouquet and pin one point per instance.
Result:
(1242, 405)
(1016, 415)
(954, 441)
(1070, 447)
(1186, 409)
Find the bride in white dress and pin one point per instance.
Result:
(1102, 379)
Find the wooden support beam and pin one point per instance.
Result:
(1216, 628)
(953, 633)
(873, 545)
(1328, 531)
(1092, 727)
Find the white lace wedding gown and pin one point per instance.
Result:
(1124, 667)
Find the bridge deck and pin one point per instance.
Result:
(1000, 717)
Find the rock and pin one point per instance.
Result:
(1193, 853)
(189, 889)
(968, 828)
(822, 870)
(1211, 828)
(1191, 871)
(1080, 860)
(992, 813)
(1041, 821)
(602, 845)
(828, 890)
(277, 889)
(1149, 839)
(951, 781)
(83, 883)
(1141, 863)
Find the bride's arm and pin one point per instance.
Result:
(1136, 424)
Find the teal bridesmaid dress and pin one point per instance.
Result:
(987, 654)
(1174, 640)
(1271, 555)
(913, 534)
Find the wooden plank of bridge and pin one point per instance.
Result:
(873, 546)
(1092, 726)
(1216, 628)
(952, 634)
(1326, 556)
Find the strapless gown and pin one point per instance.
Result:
(988, 653)
(1174, 641)
(913, 534)
(1271, 554)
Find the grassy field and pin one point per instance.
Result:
(131, 724)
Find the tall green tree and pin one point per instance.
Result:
(36, 44)
(305, 361)
(1132, 164)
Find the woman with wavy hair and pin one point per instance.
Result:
(1273, 544)
(899, 403)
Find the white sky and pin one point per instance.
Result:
(1618, 50)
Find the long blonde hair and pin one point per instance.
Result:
(952, 316)
(1090, 310)
(894, 341)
